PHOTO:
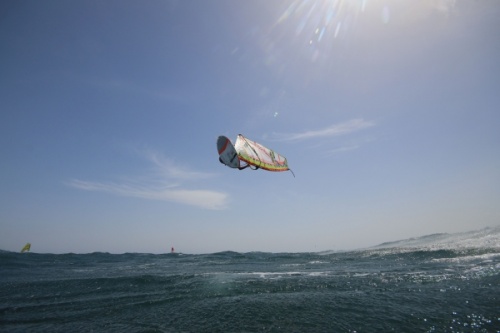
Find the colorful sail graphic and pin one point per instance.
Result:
(257, 155)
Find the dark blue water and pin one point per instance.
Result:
(440, 283)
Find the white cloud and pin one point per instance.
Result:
(333, 130)
(168, 169)
(164, 184)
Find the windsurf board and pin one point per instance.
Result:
(227, 153)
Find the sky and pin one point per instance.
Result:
(388, 112)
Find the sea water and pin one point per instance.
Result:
(438, 283)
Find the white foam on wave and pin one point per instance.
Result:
(318, 273)
(485, 238)
(291, 265)
(484, 258)
(317, 262)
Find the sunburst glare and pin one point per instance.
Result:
(308, 38)
(319, 22)
(306, 33)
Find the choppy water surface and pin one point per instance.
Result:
(438, 283)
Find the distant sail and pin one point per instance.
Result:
(26, 248)
(257, 155)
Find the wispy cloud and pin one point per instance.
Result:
(164, 182)
(333, 130)
(167, 169)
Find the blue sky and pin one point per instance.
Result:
(387, 111)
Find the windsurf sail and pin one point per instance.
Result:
(26, 248)
(259, 156)
(254, 155)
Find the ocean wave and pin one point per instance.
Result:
(485, 238)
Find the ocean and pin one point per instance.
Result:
(437, 283)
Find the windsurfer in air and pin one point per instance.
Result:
(246, 153)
